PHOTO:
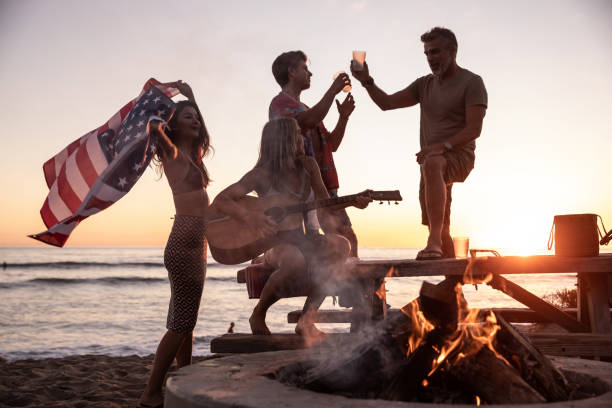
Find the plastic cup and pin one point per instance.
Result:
(358, 60)
(461, 244)
(346, 88)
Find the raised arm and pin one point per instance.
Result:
(185, 90)
(344, 110)
(155, 127)
(317, 113)
(400, 99)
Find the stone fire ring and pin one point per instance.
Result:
(239, 381)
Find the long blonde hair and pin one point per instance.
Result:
(278, 152)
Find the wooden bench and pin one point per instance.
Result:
(513, 315)
(555, 344)
(593, 275)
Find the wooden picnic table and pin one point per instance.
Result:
(589, 325)
(594, 275)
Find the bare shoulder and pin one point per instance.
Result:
(256, 179)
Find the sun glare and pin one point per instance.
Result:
(519, 226)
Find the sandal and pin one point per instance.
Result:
(429, 255)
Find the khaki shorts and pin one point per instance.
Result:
(459, 164)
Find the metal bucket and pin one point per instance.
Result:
(575, 235)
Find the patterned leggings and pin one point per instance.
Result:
(185, 260)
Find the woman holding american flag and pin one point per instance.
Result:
(180, 145)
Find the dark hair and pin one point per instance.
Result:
(282, 63)
(201, 146)
(441, 32)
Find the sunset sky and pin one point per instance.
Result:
(546, 146)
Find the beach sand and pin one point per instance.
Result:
(76, 381)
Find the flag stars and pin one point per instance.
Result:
(145, 101)
(157, 99)
(122, 181)
(142, 112)
(130, 128)
(137, 166)
(140, 124)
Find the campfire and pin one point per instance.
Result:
(438, 350)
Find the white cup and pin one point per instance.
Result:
(358, 60)
(461, 245)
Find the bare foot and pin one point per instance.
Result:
(309, 330)
(151, 400)
(258, 324)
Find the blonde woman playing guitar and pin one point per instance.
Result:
(301, 260)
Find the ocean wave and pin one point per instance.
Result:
(109, 280)
(80, 265)
(203, 339)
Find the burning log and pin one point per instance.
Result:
(437, 342)
(438, 306)
(493, 380)
(533, 365)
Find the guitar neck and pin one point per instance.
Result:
(303, 207)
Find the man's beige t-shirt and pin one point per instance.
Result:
(443, 105)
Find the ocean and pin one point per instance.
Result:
(113, 300)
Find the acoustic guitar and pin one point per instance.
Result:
(232, 241)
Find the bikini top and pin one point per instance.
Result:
(272, 191)
(310, 218)
(193, 180)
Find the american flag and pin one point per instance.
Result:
(100, 167)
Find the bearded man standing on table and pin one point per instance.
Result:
(453, 105)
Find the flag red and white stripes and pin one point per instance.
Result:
(74, 175)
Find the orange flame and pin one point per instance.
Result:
(419, 325)
(392, 272)
(472, 335)
(477, 401)
(425, 383)
(469, 277)
(381, 292)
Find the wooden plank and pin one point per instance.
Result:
(556, 344)
(610, 288)
(538, 305)
(581, 298)
(530, 362)
(597, 302)
(573, 344)
(513, 315)
(482, 265)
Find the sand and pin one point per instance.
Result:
(76, 381)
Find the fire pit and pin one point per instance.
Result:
(438, 351)
(246, 380)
